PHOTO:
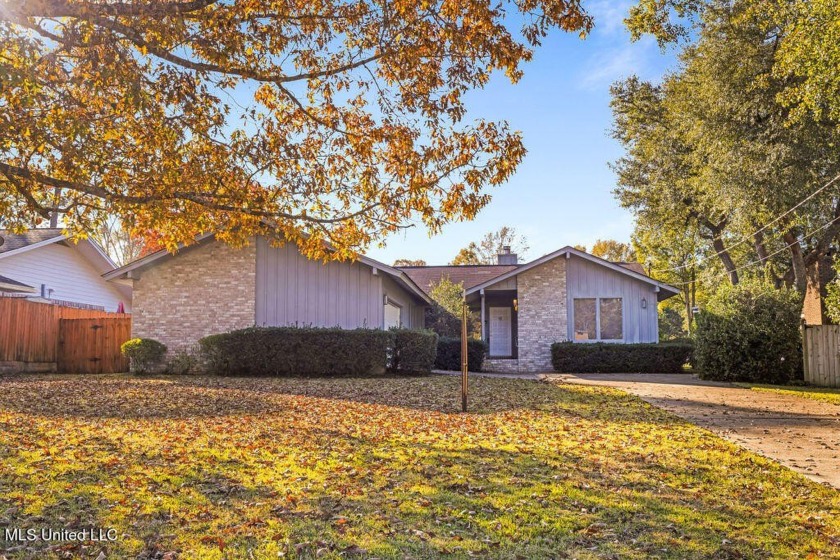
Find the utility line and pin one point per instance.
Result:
(759, 261)
(745, 239)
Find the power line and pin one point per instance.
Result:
(759, 261)
(745, 239)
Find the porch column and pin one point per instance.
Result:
(483, 337)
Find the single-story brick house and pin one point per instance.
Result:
(209, 287)
(564, 295)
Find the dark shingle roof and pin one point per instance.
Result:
(634, 266)
(470, 275)
(13, 241)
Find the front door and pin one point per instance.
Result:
(501, 340)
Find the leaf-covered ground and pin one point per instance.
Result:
(201, 467)
(824, 394)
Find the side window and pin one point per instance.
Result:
(393, 315)
(611, 319)
(585, 319)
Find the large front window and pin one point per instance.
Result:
(598, 319)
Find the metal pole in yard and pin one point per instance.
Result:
(464, 364)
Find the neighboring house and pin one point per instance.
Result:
(56, 269)
(565, 295)
(209, 287)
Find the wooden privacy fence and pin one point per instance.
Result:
(821, 361)
(31, 337)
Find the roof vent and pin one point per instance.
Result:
(506, 257)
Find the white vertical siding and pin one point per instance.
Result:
(585, 279)
(65, 271)
(294, 290)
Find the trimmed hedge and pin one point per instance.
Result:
(449, 354)
(289, 351)
(570, 357)
(413, 351)
(144, 354)
(750, 332)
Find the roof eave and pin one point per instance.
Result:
(568, 250)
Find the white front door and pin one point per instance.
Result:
(501, 340)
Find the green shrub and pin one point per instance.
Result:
(413, 351)
(145, 354)
(288, 351)
(750, 332)
(449, 354)
(599, 357)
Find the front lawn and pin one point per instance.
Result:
(824, 394)
(201, 467)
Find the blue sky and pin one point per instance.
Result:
(562, 191)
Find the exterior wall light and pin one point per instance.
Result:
(644, 303)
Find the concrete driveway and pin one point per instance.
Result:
(800, 433)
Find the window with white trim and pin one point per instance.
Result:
(393, 315)
(598, 319)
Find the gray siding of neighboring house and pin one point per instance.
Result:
(585, 279)
(294, 290)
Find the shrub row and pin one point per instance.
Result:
(413, 351)
(288, 351)
(570, 357)
(449, 354)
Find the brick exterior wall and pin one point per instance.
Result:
(497, 365)
(543, 316)
(205, 290)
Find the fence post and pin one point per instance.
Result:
(803, 331)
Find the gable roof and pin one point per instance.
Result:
(634, 266)
(17, 243)
(468, 275)
(156, 257)
(664, 289)
(9, 285)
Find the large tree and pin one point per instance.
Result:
(714, 149)
(613, 250)
(333, 121)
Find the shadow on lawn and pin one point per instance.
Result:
(411, 498)
(185, 397)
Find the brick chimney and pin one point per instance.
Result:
(506, 257)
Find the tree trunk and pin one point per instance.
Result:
(797, 261)
(819, 273)
(726, 259)
(764, 259)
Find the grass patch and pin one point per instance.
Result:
(202, 467)
(825, 394)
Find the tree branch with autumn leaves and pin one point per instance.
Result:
(318, 121)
